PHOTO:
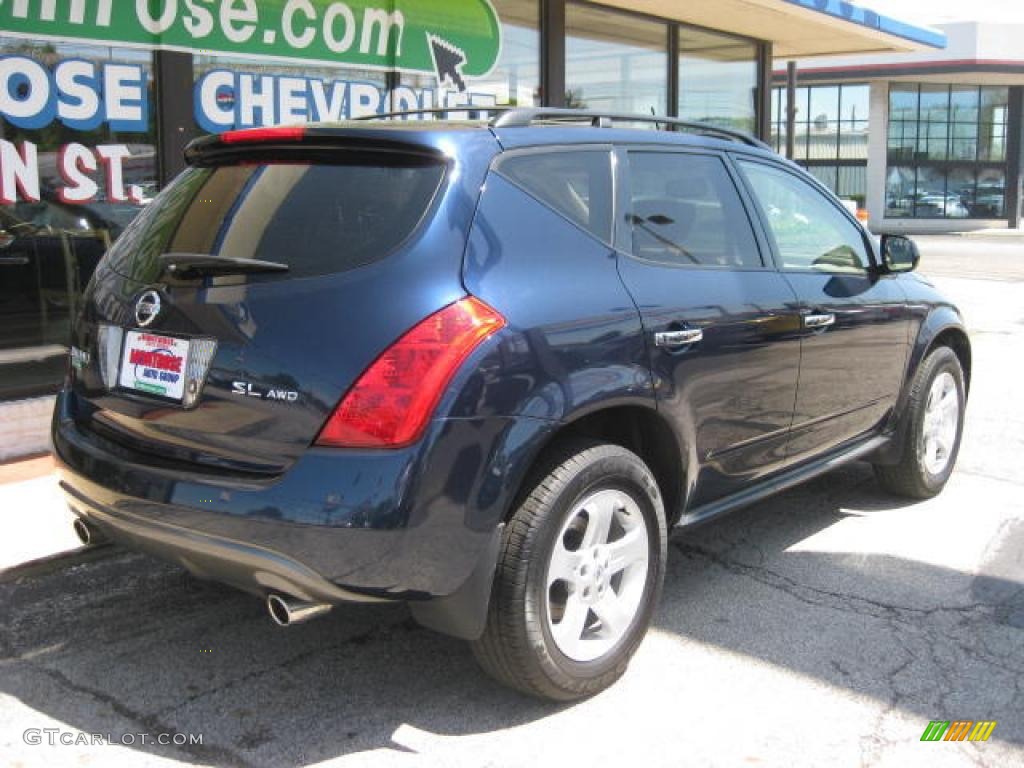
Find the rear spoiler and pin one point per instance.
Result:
(264, 143)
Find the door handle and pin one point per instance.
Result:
(676, 339)
(13, 261)
(817, 321)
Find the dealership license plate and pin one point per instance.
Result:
(154, 364)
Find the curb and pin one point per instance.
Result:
(992, 234)
(44, 566)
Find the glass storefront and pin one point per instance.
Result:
(514, 81)
(615, 62)
(79, 121)
(619, 62)
(78, 162)
(232, 92)
(831, 136)
(718, 79)
(946, 151)
(238, 92)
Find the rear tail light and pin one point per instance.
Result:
(390, 404)
(254, 135)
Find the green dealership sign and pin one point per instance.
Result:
(451, 38)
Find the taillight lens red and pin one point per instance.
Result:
(254, 135)
(390, 404)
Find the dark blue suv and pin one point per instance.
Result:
(483, 368)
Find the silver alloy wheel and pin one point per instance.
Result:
(596, 575)
(941, 420)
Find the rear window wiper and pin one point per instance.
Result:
(191, 264)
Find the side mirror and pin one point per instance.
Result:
(899, 253)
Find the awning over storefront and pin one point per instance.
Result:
(797, 28)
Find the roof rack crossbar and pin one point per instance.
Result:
(522, 117)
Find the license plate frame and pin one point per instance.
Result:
(160, 366)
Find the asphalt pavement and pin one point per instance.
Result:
(826, 626)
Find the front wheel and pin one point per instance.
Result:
(931, 440)
(580, 572)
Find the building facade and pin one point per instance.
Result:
(98, 99)
(926, 142)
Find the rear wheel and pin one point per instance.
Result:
(581, 568)
(934, 429)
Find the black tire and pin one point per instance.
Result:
(517, 647)
(911, 477)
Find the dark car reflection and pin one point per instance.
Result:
(48, 252)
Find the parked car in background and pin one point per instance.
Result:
(950, 206)
(48, 251)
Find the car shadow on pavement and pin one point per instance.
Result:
(129, 645)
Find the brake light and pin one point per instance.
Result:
(253, 135)
(390, 404)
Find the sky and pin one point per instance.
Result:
(941, 11)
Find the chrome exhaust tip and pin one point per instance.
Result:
(88, 534)
(286, 611)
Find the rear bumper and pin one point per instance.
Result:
(338, 526)
(249, 567)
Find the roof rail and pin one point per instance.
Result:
(434, 111)
(522, 117)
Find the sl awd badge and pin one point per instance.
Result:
(246, 389)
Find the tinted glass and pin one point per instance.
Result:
(943, 140)
(832, 124)
(685, 210)
(824, 104)
(930, 199)
(72, 177)
(900, 186)
(315, 218)
(515, 79)
(903, 102)
(990, 201)
(717, 79)
(992, 128)
(614, 61)
(576, 184)
(810, 232)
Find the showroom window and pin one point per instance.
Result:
(79, 162)
(232, 92)
(831, 136)
(717, 79)
(515, 79)
(946, 151)
(615, 62)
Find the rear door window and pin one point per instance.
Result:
(686, 211)
(576, 183)
(316, 217)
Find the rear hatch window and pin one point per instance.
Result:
(237, 366)
(316, 218)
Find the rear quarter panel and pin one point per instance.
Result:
(574, 341)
